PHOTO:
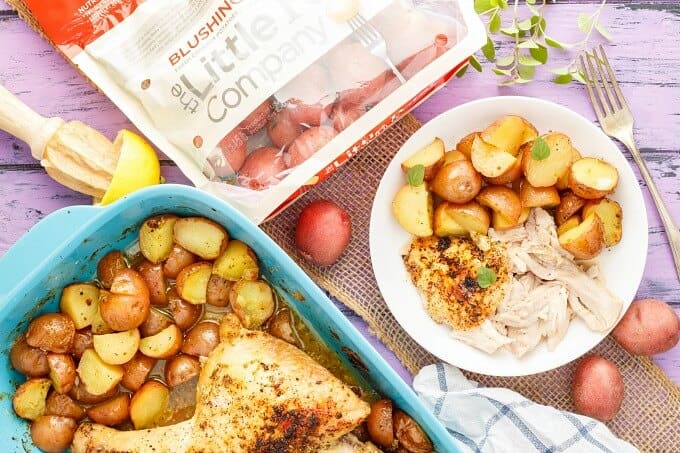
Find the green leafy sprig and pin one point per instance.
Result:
(529, 43)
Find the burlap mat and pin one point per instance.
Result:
(650, 416)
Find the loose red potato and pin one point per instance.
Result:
(51, 332)
(282, 130)
(127, 305)
(323, 232)
(52, 433)
(597, 388)
(257, 119)
(649, 327)
(27, 360)
(345, 114)
(233, 153)
(308, 143)
(263, 167)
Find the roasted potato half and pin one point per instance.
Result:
(80, 394)
(192, 282)
(457, 182)
(469, 216)
(52, 332)
(163, 345)
(80, 301)
(609, 211)
(490, 161)
(53, 433)
(136, 371)
(568, 224)
(112, 412)
(538, 197)
(252, 301)
(201, 236)
(453, 156)
(29, 399)
(62, 372)
(512, 174)
(413, 208)
(181, 369)
(444, 224)
(108, 267)
(97, 376)
(586, 240)
(148, 404)
(27, 360)
(178, 259)
(236, 262)
(157, 321)
(543, 170)
(156, 237)
(464, 146)
(117, 348)
(184, 313)
(201, 339)
(63, 405)
(503, 200)
(127, 304)
(570, 205)
(506, 133)
(592, 178)
(430, 157)
(154, 277)
(563, 182)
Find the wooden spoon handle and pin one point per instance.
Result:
(21, 121)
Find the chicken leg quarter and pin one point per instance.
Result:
(255, 393)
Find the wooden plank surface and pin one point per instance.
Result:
(644, 53)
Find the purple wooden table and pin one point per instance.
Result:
(644, 54)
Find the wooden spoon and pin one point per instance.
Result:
(72, 153)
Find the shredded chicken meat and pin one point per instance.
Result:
(546, 290)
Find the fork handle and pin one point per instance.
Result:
(671, 228)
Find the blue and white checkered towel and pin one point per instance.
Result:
(499, 420)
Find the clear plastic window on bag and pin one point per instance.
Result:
(329, 95)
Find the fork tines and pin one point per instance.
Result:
(367, 35)
(602, 79)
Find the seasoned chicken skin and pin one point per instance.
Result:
(445, 271)
(255, 393)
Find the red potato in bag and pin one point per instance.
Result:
(257, 119)
(263, 167)
(345, 114)
(309, 97)
(308, 143)
(229, 155)
(282, 130)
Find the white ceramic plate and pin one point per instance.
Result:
(622, 265)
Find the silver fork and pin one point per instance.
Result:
(616, 120)
(372, 40)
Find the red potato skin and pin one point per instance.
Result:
(597, 388)
(323, 232)
(234, 149)
(257, 119)
(649, 327)
(309, 142)
(262, 168)
(282, 130)
(310, 115)
(345, 114)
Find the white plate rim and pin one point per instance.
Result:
(394, 290)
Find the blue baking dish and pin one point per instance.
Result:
(65, 247)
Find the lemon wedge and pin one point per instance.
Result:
(137, 166)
